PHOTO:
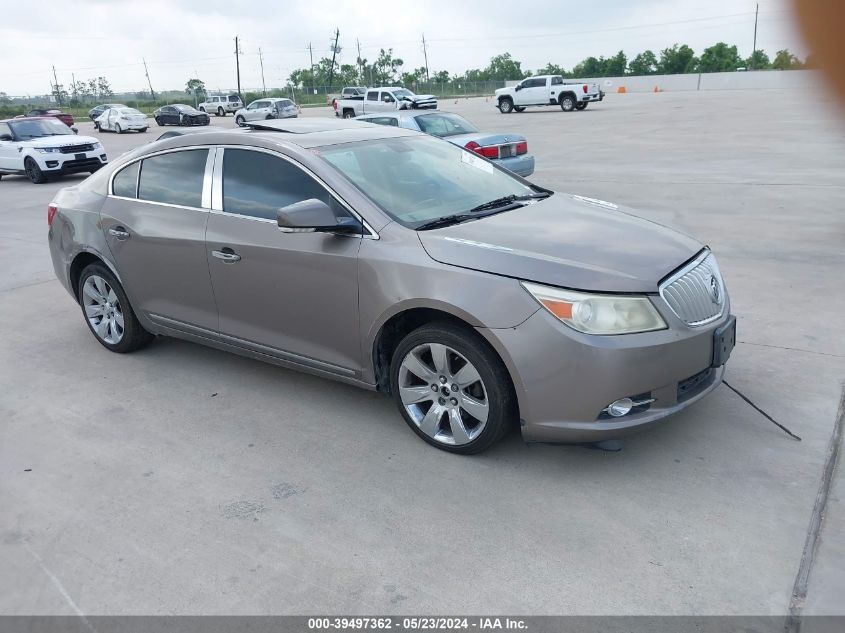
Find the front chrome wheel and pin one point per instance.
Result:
(103, 310)
(443, 394)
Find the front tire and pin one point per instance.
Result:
(240, 121)
(452, 389)
(159, 123)
(506, 106)
(221, 112)
(567, 103)
(107, 311)
(117, 128)
(142, 130)
(34, 172)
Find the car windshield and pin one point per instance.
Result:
(419, 179)
(36, 128)
(444, 124)
(130, 111)
(184, 108)
(402, 92)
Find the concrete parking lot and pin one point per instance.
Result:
(184, 480)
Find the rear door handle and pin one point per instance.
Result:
(227, 255)
(119, 232)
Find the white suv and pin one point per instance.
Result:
(220, 105)
(43, 147)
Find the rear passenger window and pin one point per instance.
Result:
(174, 178)
(557, 81)
(125, 182)
(256, 184)
(372, 95)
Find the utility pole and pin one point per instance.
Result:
(311, 67)
(334, 55)
(360, 67)
(238, 67)
(425, 54)
(56, 83)
(73, 88)
(261, 60)
(149, 83)
(753, 52)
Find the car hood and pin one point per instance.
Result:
(418, 98)
(567, 241)
(60, 141)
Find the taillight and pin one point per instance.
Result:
(487, 152)
(51, 213)
(585, 88)
(334, 103)
(522, 147)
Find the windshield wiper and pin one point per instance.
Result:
(447, 220)
(505, 200)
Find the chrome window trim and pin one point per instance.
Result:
(217, 187)
(138, 159)
(668, 281)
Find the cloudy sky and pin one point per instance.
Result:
(187, 38)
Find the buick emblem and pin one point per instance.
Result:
(715, 290)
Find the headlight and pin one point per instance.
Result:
(598, 314)
(96, 145)
(48, 150)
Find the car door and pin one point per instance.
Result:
(154, 221)
(112, 118)
(169, 115)
(251, 113)
(371, 102)
(290, 295)
(533, 92)
(386, 101)
(8, 149)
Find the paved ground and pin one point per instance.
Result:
(186, 480)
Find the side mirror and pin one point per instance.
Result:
(75, 129)
(314, 216)
(6, 137)
(518, 87)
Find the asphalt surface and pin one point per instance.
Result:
(184, 480)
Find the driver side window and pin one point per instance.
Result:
(387, 97)
(257, 185)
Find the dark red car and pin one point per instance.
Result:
(64, 117)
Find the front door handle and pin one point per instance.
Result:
(227, 255)
(119, 232)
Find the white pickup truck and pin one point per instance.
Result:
(383, 100)
(545, 90)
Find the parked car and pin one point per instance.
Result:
(269, 108)
(506, 150)
(64, 117)
(43, 147)
(390, 260)
(180, 114)
(96, 111)
(122, 120)
(221, 104)
(383, 100)
(545, 90)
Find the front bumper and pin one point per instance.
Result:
(70, 164)
(564, 379)
(522, 165)
(196, 120)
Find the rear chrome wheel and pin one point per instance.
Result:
(107, 311)
(102, 308)
(452, 389)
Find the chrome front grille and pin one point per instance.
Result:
(696, 293)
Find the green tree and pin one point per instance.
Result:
(4, 98)
(503, 67)
(784, 60)
(590, 67)
(441, 76)
(386, 67)
(615, 66)
(643, 64)
(677, 60)
(103, 87)
(195, 88)
(758, 60)
(719, 58)
(552, 69)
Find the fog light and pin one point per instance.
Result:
(621, 407)
(52, 163)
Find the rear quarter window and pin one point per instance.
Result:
(125, 181)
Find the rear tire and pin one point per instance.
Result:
(471, 382)
(506, 105)
(348, 114)
(34, 172)
(567, 103)
(103, 299)
(581, 106)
